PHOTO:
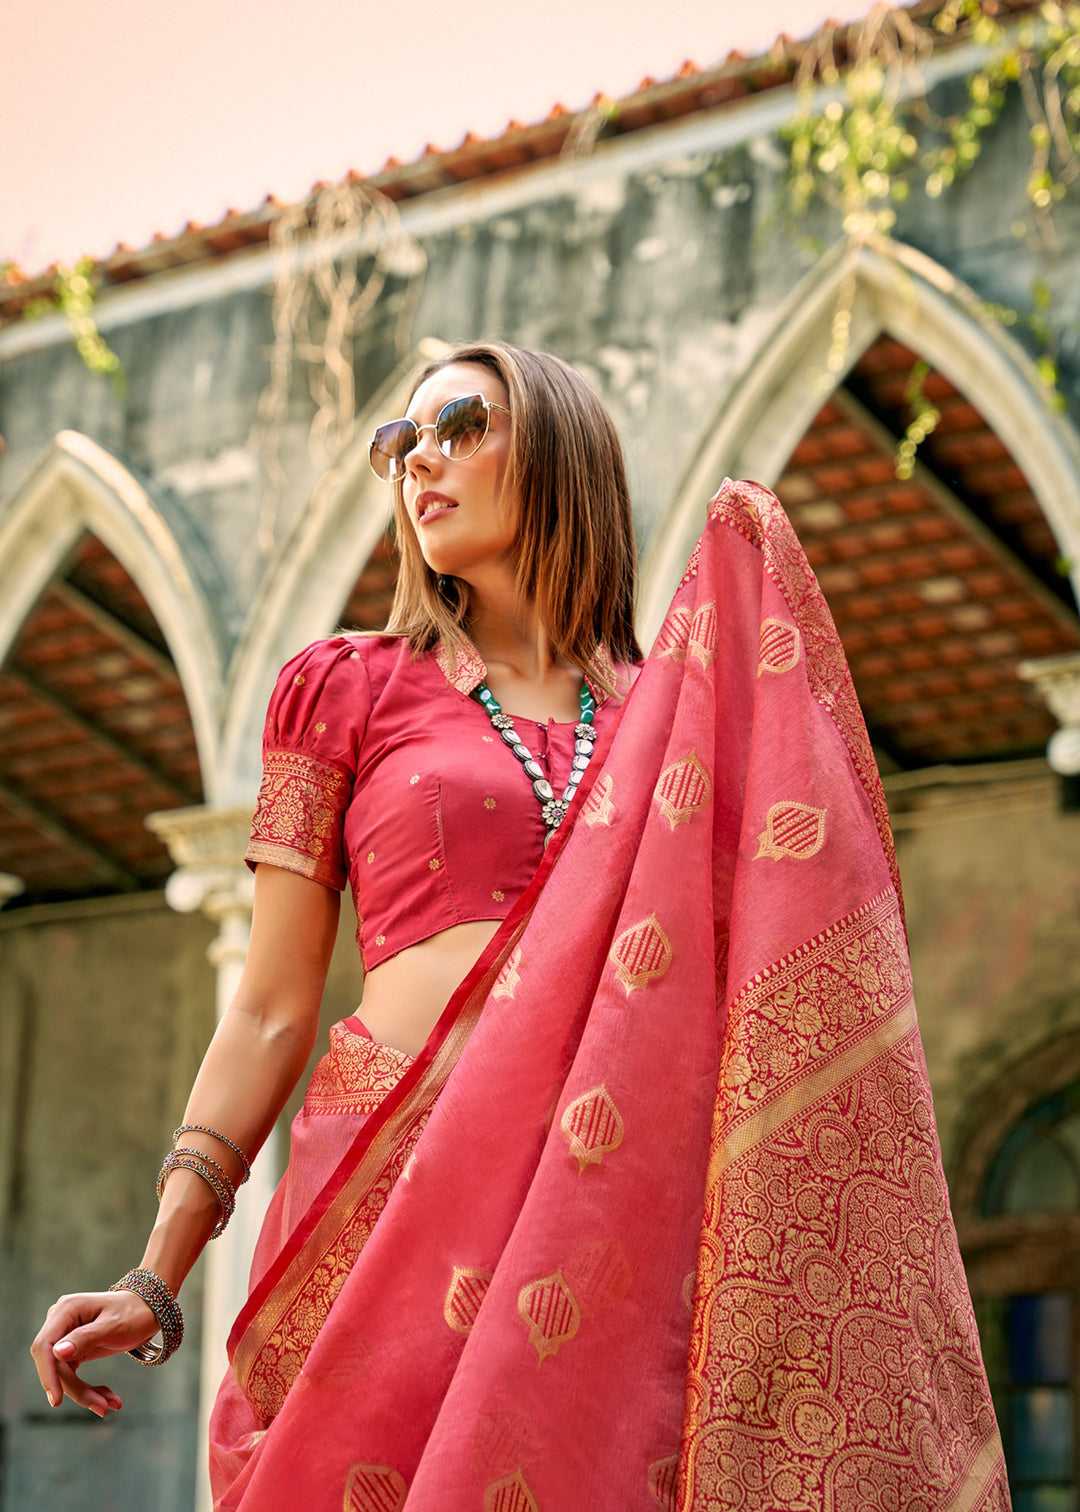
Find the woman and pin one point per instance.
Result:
(696, 993)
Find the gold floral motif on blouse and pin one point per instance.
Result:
(298, 817)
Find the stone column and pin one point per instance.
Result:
(1058, 680)
(208, 846)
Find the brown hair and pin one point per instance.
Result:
(574, 555)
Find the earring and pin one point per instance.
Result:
(447, 587)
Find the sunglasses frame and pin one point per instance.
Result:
(486, 404)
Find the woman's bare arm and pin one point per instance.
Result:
(252, 1064)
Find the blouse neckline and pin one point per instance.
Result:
(464, 669)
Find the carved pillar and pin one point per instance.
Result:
(1058, 680)
(10, 887)
(208, 846)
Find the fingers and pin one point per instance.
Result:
(97, 1399)
(87, 1327)
(91, 1342)
(57, 1321)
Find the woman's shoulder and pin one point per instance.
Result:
(324, 693)
(347, 652)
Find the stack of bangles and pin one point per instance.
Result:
(214, 1175)
(165, 1308)
(150, 1287)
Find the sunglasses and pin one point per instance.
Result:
(459, 429)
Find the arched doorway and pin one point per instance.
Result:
(940, 582)
(109, 702)
(770, 406)
(1017, 1197)
(94, 734)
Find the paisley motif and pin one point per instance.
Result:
(683, 789)
(781, 646)
(468, 1287)
(374, 1488)
(593, 1126)
(550, 1311)
(793, 831)
(598, 807)
(511, 1494)
(641, 954)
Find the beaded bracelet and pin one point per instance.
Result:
(165, 1308)
(225, 1140)
(183, 1150)
(187, 1161)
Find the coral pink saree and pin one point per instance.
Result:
(674, 1233)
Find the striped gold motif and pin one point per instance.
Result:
(511, 1494)
(674, 633)
(468, 1287)
(704, 635)
(663, 1477)
(374, 1488)
(781, 646)
(682, 790)
(550, 1312)
(593, 1126)
(793, 831)
(598, 808)
(641, 954)
(508, 978)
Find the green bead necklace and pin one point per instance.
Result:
(552, 809)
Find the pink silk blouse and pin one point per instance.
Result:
(380, 769)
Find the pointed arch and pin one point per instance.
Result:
(78, 486)
(304, 594)
(771, 403)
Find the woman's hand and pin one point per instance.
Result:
(88, 1326)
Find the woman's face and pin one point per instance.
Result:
(464, 520)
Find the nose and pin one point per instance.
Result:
(425, 455)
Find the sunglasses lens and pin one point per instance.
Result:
(390, 445)
(461, 426)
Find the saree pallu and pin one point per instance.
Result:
(674, 1233)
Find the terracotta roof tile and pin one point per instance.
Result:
(690, 89)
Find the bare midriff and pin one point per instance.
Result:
(405, 996)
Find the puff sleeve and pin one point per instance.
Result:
(314, 727)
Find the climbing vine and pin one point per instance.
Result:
(333, 258)
(72, 295)
(865, 137)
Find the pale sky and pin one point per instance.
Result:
(127, 117)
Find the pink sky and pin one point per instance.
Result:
(126, 117)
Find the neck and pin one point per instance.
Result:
(507, 631)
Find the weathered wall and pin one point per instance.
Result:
(660, 280)
(992, 891)
(105, 1011)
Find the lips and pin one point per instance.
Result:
(431, 504)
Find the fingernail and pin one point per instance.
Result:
(52, 1399)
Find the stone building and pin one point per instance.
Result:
(164, 550)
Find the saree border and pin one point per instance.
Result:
(757, 1124)
(803, 1087)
